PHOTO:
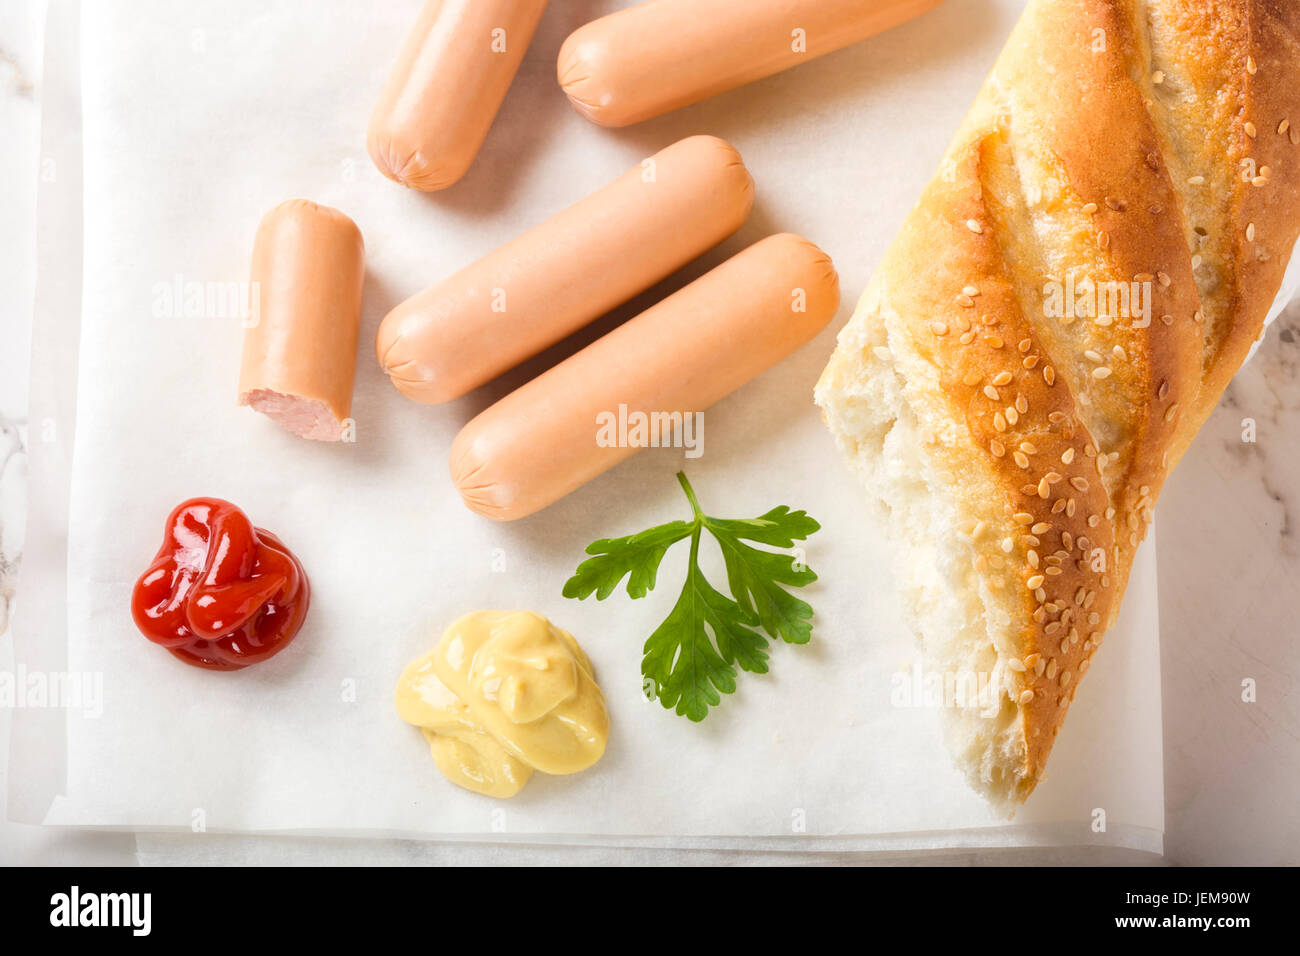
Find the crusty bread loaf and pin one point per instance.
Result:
(1020, 446)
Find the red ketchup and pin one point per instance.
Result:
(220, 593)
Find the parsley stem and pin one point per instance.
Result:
(690, 495)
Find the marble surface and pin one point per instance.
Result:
(20, 31)
(1229, 525)
(1229, 573)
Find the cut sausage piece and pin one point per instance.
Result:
(300, 351)
(562, 274)
(446, 87)
(542, 441)
(662, 55)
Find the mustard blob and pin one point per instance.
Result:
(503, 694)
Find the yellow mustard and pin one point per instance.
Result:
(503, 694)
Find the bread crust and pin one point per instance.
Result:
(1229, 122)
(1073, 164)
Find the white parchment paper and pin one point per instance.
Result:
(198, 118)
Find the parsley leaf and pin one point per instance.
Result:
(780, 527)
(687, 669)
(755, 576)
(637, 556)
(693, 655)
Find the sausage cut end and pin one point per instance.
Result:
(306, 417)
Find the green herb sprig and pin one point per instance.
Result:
(692, 656)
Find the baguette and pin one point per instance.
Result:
(1020, 446)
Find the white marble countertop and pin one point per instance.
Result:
(1229, 557)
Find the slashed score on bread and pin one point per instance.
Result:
(1019, 446)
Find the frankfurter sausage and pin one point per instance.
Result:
(300, 351)
(542, 441)
(562, 274)
(445, 90)
(662, 55)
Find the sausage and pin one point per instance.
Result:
(562, 274)
(659, 56)
(300, 350)
(542, 441)
(446, 87)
